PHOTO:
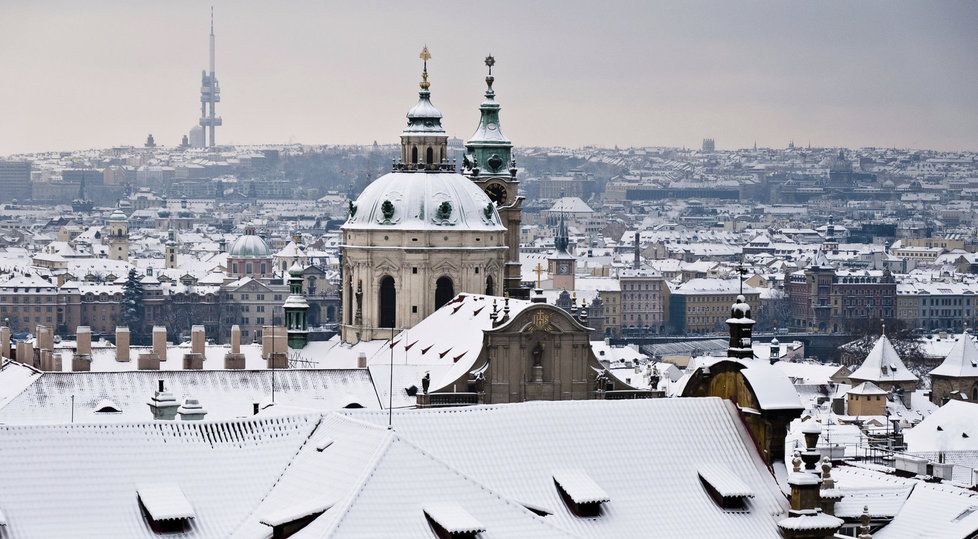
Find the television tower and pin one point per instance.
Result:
(210, 94)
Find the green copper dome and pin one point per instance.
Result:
(250, 245)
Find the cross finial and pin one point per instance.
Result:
(425, 56)
(538, 270)
(490, 61)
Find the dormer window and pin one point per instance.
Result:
(165, 507)
(580, 493)
(292, 518)
(449, 520)
(726, 489)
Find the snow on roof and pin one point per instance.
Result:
(515, 449)
(819, 521)
(580, 487)
(952, 427)
(571, 205)
(883, 502)
(724, 481)
(165, 501)
(961, 361)
(83, 480)
(867, 388)
(883, 364)
(807, 372)
(453, 517)
(933, 513)
(773, 389)
(302, 509)
(225, 394)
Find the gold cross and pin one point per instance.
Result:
(538, 270)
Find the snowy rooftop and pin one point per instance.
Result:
(883, 364)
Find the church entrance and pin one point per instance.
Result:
(388, 302)
(444, 291)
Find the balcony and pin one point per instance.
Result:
(442, 400)
(623, 394)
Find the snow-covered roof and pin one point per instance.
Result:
(87, 480)
(773, 389)
(883, 364)
(961, 361)
(952, 427)
(580, 487)
(868, 388)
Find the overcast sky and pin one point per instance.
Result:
(96, 73)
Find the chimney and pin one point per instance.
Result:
(273, 340)
(159, 342)
(162, 404)
(25, 353)
(121, 343)
(81, 362)
(255, 407)
(50, 362)
(193, 361)
(83, 341)
(5, 342)
(191, 410)
(148, 361)
(235, 339)
(279, 360)
(45, 339)
(362, 360)
(197, 341)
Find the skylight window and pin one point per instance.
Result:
(293, 517)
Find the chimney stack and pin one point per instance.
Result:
(50, 362)
(637, 263)
(191, 410)
(193, 361)
(235, 339)
(162, 404)
(45, 338)
(273, 340)
(148, 361)
(25, 353)
(83, 341)
(197, 341)
(159, 342)
(122, 343)
(5, 342)
(362, 360)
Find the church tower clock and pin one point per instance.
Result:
(489, 163)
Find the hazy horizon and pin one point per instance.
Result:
(885, 74)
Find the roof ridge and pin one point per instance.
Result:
(347, 502)
(279, 477)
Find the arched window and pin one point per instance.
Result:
(414, 155)
(974, 393)
(444, 291)
(430, 156)
(388, 302)
(490, 286)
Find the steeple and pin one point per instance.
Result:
(296, 309)
(424, 143)
(488, 149)
(561, 240)
(741, 327)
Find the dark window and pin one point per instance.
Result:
(414, 155)
(490, 286)
(388, 302)
(430, 156)
(444, 291)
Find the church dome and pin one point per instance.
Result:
(117, 215)
(424, 201)
(250, 245)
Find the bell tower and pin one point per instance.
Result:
(489, 163)
(424, 143)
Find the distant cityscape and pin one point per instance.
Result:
(466, 338)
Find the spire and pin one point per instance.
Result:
(561, 240)
(488, 148)
(425, 56)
